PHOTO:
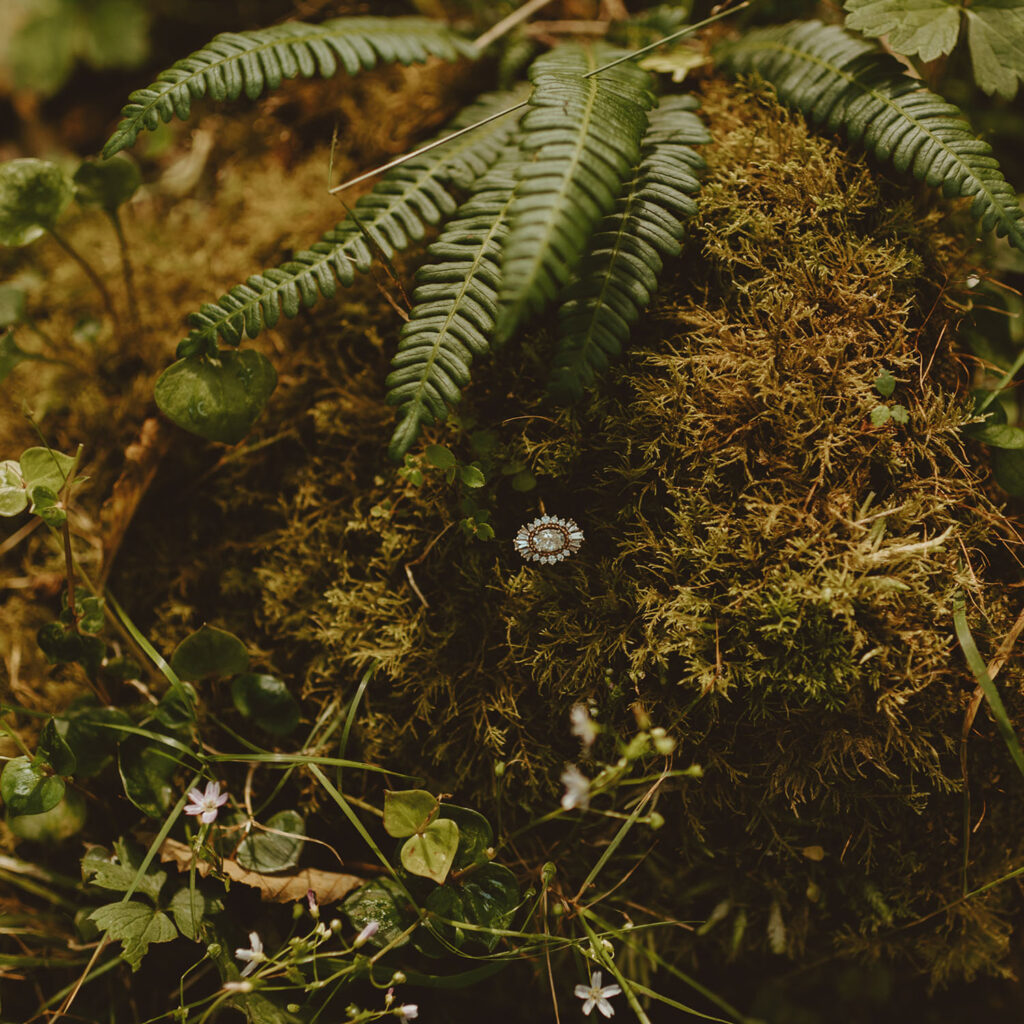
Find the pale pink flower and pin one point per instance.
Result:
(597, 996)
(206, 803)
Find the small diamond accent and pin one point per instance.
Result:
(548, 539)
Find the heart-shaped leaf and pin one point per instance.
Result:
(106, 183)
(431, 852)
(218, 399)
(267, 701)
(490, 896)
(209, 651)
(384, 901)
(475, 835)
(407, 811)
(33, 195)
(147, 769)
(29, 786)
(267, 852)
(44, 467)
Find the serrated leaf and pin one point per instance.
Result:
(885, 384)
(439, 456)
(268, 853)
(136, 926)
(207, 652)
(880, 415)
(472, 476)
(218, 399)
(267, 701)
(33, 195)
(385, 902)
(930, 28)
(431, 852)
(28, 786)
(119, 874)
(408, 811)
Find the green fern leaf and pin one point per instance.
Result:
(841, 81)
(615, 279)
(581, 141)
(392, 215)
(252, 62)
(456, 304)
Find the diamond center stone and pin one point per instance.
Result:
(548, 539)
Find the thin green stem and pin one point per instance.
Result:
(90, 273)
(127, 270)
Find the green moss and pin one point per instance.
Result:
(766, 573)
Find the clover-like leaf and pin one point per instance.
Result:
(475, 835)
(268, 852)
(33, 195)
(218, 399)
(266, 701)
(29, 786)
(106, 183)
(431, 852)
(207, 652)
(136, 925)
(408, 811)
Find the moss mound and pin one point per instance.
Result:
(769, 569)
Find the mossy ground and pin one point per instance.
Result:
(767, 574)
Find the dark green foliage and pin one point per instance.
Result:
(455, 306)
(251, 62)
(390, 218)
(580, 142)
(620, 270)
(841, 81)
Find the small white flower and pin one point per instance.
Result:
(206, 804)
(237, 986)
(311, 902)
(253, 955)
(369, 930)
(577, 789)
(410, 1011)
(597, 996)
(583, 725)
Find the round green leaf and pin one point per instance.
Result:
(999, 435)
(60, 822)
(490, 896)
(106, 183)
(13, 302)
(28, 786)
(407, 811)
(431, 853)
(33, 194)
(1008, 469)
(266, 700)
(266, 852)
(92, 736)
(471, 476)
(147, 769)
(475, 835)
(385, 902)
(209, 651)
(13, 493)
(218, 399)
(439, 456)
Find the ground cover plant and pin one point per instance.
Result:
(304, 719)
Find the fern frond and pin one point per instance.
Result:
(581, 140)
(455, 308)
(252, 62)
(615, 279)
(841, 81)
(392, 215)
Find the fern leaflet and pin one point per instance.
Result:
(251, 62)
(581, 141)
(456, 305)
(392, 215)
(841, 81)
(615, 279)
